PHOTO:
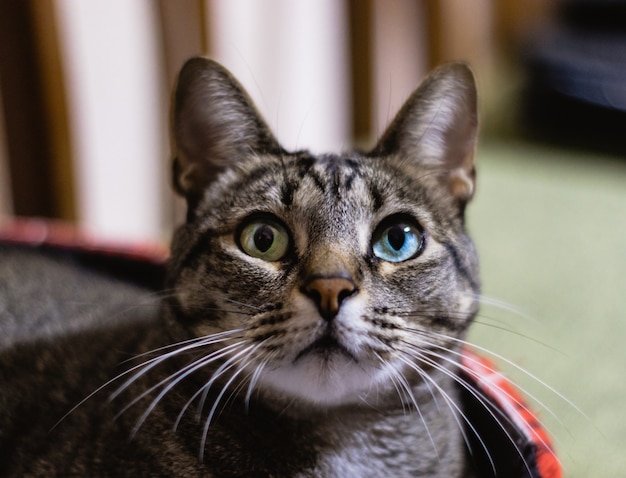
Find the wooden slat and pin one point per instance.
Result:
(360, 17)
(460, 30)
(27, 137)
(184, 30)
(55, 106)
(6, 206)
(182, 25)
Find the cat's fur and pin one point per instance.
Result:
(326, 357)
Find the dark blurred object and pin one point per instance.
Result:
(576, 90)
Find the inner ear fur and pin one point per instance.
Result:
(437, 129)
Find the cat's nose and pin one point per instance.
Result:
(328, 293)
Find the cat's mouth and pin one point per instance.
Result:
(325, 347)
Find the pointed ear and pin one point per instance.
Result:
(214, 124)
(437, 129)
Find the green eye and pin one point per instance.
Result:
(264, 239)
(397, 240)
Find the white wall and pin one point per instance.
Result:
(292, 57)
(399, 37)
(117, 114)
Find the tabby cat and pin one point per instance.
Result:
(311, 321)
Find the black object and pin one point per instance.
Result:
(576, 89)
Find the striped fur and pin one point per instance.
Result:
(331, 206)
(310, 325)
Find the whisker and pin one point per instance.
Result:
(517, 402)
(173, 380)
(251, 349)
(253, 382)
(451, 403)
(220, 371)
(243, 304)
(151, 363)
(519, 368)
(217, 335)
(227, 365)
(425, 334)
(92, 394)
(236, 392)
(402, 391)
(127, 372)
(146, 299)
(203, 309)
(421, 373)
(500, 304)
(521, 405)
(513, 413)
(521, 335)
(433, 314)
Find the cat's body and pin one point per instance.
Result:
(44, 377)
(313, 316)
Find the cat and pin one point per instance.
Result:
(311, 320)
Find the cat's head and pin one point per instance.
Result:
(326, 275)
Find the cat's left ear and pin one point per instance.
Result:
(436, 129)
(215, 124)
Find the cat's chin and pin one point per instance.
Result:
(328, 377)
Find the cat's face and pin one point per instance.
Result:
(329, 274)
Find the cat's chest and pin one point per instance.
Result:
(400, 446)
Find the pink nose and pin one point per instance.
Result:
(328, 293)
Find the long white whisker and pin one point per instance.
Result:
(250, 351)
(227, 365)
(500, 304)
(404, 394)
(253, 382)
(205, 339)
(236, 392)
(100, 388)
(175, 379)
(148, 299)
(129, 371)
(453, 406)
(243, 304)
(223, 368)
(421, 373)
(513, 399)
(517, 367)
(518, 334)
(524, 390)
(152, 363)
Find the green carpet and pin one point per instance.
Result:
(550, 226)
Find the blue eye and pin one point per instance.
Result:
(397, 241)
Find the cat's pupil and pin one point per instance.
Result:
(263, 238)
(396, 237)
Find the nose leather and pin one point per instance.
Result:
(328, 293)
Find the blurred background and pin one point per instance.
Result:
(84, 99)
(85, 85)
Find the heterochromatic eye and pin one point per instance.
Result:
(397, 240)
(265, 239)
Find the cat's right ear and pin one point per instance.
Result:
(214, 124)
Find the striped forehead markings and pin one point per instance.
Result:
(304, 167)
(335, 172)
